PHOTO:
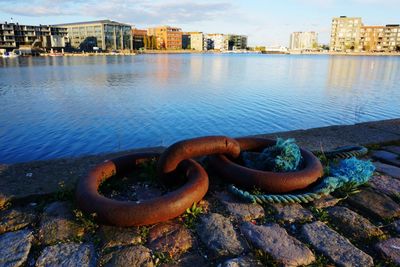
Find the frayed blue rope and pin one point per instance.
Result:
(352, 170)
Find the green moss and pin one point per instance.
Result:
(162, 258)
(191, 216)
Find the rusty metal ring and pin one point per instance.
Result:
(195, 147)
(270, 182)
(129, 213)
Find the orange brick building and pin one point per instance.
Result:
(167, 37)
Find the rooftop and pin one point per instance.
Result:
(104, 21)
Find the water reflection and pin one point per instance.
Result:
(67, 106)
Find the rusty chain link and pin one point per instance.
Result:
(178, 158)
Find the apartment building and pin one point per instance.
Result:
(105, 34)
(14, 36)
(196, 41)
(237, 42)
(371, 38)
(167, 37)
(391, 38)
(216, 41)
(303, 41)
(138, 38)
(186, 40)
(345, 33)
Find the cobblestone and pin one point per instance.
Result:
(386, 157)
(375, 205)
(218, 234)
(353, 224)
(391, 170)
(292, 213)
(334, 246)
(170, 237)
(15, 219)
(390, 249)
(15, 247)
(385, 184)
(240, 209)
(275, 241)
(67, 255)
(128, 256)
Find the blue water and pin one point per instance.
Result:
(69, 106)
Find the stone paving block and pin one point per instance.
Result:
(387, 169)
(386, 157)
(113, 236)
(67, 255)
(292, 213)
(58, 224)
(170, 237)
(275, 241)
(15, 219)
(240, 209)
(390, 249)
(218, 234)
(385, 184)
(243, 261)
(128, 256)
(353, 224)
(393, 149)
(334, 246)
(15, 247)
(375, 205)
(325, 202)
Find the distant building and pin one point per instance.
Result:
(391, 39)
(351, 34)
(345, 34)
(216, 41)
(237, 42)
(138, 38)
(371, 38)
(186, 40)
(166, 37)
(14, 36)
(196, 41)
(303, 41)
(105, 34)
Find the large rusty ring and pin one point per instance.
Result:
(129, 213)
(196, 147)
(270, 182)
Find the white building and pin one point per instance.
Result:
(303, 41)
(196, 41)
(216, 41)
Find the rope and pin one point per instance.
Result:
(345, 152)
(350, 170)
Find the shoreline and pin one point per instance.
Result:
(175, 52)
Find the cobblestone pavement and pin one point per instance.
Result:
(353, 228)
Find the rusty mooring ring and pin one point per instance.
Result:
(270, 182)
(196, 147)
(129, 213)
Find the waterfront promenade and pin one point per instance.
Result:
(40, 224)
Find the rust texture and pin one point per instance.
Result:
(129, 213)
(270, 182)
(196, 147)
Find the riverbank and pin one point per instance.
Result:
(42, 227)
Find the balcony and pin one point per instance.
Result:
(7, 27)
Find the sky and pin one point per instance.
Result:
(267, 22)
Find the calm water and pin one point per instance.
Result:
(69, 106)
